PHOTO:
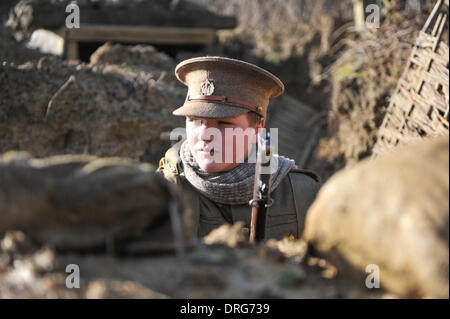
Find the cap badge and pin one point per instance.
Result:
(207, 88)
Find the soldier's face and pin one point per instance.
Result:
(219, 145)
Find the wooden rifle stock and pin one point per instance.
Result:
(261, 191)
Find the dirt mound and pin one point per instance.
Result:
(81, 202)
(54, 107)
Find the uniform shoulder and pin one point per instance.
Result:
(305, 184)
(170, 165)
(295, 171)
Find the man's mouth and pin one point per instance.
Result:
(206, 152)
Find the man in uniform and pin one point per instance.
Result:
(226, 94)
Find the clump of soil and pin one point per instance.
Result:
(139, 55)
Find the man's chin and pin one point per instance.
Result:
(212, 167)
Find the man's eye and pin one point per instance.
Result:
(225, 123)
(194, 121)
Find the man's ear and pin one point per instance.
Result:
(262, 123)
(258, 126)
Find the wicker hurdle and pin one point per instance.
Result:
(419, 106)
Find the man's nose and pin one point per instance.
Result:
(205, 133)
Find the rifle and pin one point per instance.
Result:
(261, 191)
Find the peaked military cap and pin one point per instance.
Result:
(221, 87)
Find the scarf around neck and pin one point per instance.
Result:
(233, 187)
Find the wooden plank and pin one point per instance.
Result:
(72, 50)
(141, 34)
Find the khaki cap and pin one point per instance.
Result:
(221, 87)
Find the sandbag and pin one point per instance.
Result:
(392, 212)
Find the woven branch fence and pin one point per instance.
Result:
(419, 106)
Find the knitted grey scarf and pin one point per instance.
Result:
(233, 187)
